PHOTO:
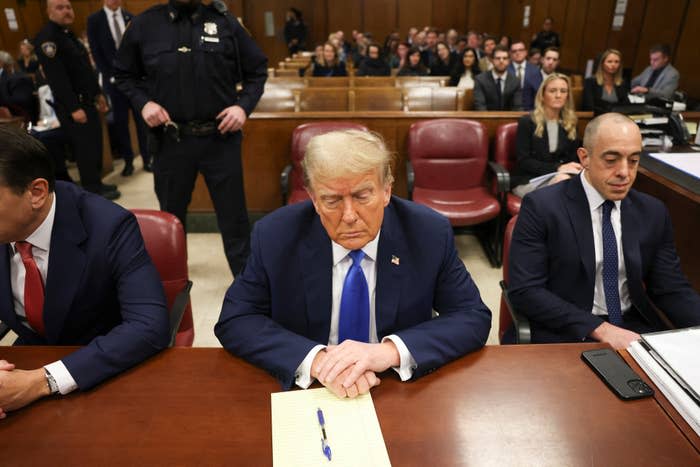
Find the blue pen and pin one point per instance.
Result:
(324, 441)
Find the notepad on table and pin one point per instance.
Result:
(351, 425)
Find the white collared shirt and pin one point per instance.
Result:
(41, 245)
(110, 21)
(341, 266)
(523, 67)
(595, 203)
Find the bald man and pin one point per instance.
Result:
(591, 257)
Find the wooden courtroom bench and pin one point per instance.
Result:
(377, 99)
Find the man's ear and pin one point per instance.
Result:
(583, 157)
(39, 191)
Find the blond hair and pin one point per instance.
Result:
(346, 153)
(599, 74)
(567, 115)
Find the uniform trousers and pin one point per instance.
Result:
(119, 126)
(85, 141)
(218, 158)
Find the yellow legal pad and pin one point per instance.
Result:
(352, 430)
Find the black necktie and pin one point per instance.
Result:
(500, 94)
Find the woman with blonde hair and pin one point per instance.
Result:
(606, 87)
(329, 65)
(546, 141)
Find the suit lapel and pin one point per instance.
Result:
(580, 218)
(66, 263)
(630, 242)
(392, 257)
(317, 267)
(7, 305)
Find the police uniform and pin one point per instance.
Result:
(74, 86)
(189, 63)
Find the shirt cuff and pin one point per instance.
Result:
(303, 373)
(64, 380)
(407, 363)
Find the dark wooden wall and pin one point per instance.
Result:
(584, 25)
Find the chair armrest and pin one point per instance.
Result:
(178, 310)
(284, 182)
(4, 329)
(520, 323)
(410, 179)
(502, 177)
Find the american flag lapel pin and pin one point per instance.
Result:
(395, 260)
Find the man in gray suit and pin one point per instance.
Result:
(497, 89)
(660, 78)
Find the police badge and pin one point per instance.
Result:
(49, 49)
(210, 28)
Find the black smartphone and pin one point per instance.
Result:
(616, 374)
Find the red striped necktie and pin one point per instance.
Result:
(33, 288)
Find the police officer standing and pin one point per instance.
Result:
(77, 95)
(180, 63)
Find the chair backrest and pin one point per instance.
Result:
(379, 99)
(5, 112)
(448, 154)
(323, 99)
(166, 244)
(374, 81)
(285, 72)
(504, 146)
(328, 82)
(504, 319)
(276, 99)
(300, 138)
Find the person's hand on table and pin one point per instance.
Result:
(359, 357)
(20, 387)
(639, 90)
(362, 384)
(617, 337)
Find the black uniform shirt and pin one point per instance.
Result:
(67, 68)
(188, 63)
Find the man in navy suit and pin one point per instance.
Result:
(73, 271)
(105, 29)
(297, 301)
(591, 258)
(534, 76)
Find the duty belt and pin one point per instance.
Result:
(193, 128)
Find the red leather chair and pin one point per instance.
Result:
(292, 178)
(504, 154)
(507, 314)
(166, 243)
(449, 171)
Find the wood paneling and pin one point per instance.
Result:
(627, 38)
(485, 16)
(598, 19)
(572, 33)
(9, 40)
(662, 22)
(380, 18)
(448, 14)
(346, 16)
(687, 57)
(416, 13)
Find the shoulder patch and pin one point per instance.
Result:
(49, 49)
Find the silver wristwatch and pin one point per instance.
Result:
(51, 381)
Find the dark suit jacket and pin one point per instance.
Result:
(485, 92)
(279, 308)
(593, 92)
(17, 93)
(102, 290)
(552, 263)
(531, 84)
(101, 41)
(534, 158)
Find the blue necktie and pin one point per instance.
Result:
(610, 271)
(354, 303)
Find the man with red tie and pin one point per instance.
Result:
(354, 282)
(73, 271)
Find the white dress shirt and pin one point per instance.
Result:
(595, 202)
(522, 67)
(110, 21)
(41, 242)
(341, 266)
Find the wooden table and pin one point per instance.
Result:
(502, 406)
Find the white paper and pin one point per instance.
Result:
(680, 350)
(688, 162)
(352, 430)
(686, 407)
